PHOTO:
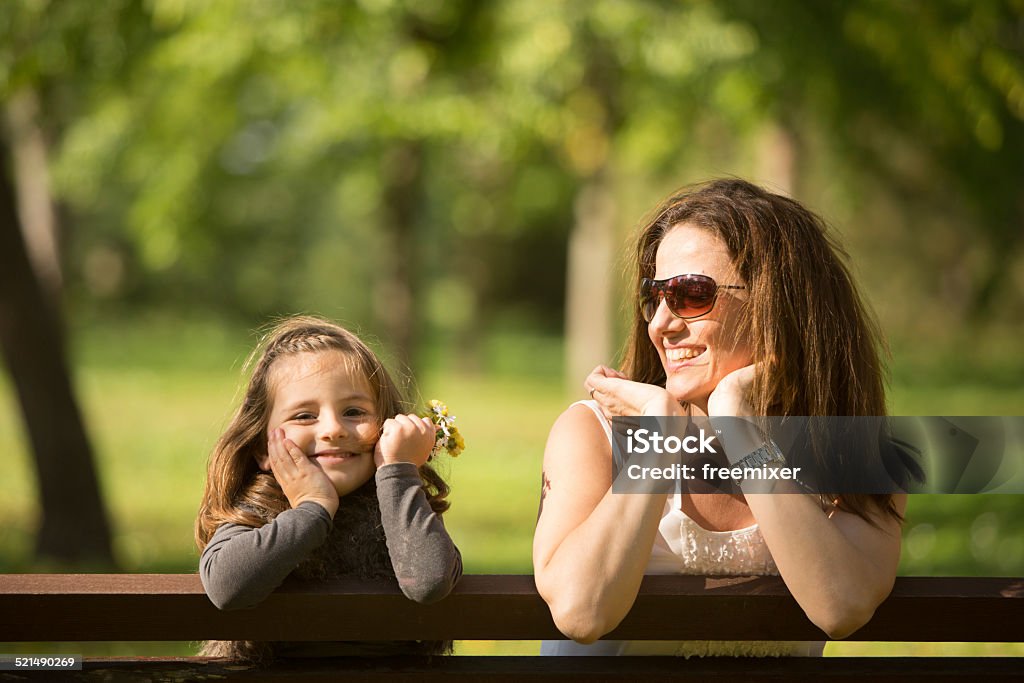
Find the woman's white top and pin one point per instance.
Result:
(684, 547)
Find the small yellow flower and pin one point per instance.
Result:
(448, 437)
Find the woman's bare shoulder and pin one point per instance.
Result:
(577, 459)
(578, 430)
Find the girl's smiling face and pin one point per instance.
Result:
(699, 352)
(326, 407)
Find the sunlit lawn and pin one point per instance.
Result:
(156, 400)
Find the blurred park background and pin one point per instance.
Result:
(458, 181)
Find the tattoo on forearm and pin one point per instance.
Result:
(545, 486)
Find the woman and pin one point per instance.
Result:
(744, 308)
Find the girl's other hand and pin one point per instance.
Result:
(405, 438)
(300, 478)
(619, 396)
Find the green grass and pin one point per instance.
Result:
(156, 395)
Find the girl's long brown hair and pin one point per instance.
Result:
(816, 345)
(236, 490)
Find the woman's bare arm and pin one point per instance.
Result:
(591, 546)
(838, 568)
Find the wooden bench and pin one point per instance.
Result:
(173, 607)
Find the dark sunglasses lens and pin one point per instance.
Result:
(648, 299)
(688, 296)
(692, 296)
(647, 307)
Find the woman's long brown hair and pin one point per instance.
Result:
(816, 345)
(236, 490)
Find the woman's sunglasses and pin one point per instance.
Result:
(687, 296)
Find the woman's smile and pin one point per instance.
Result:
(684, 355)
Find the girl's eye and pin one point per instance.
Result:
(355, 412)
(304, 416)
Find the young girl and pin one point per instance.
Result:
(319, 475)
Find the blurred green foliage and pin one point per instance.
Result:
(241, 158)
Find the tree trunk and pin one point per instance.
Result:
(591, 261)
(32, 179)
(395, 292)
(588, 305)
(74, 527)
(777, 159)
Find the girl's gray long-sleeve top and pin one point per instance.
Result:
(241, 565)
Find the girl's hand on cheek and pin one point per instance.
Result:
(732, 395)
(300, 478)
(619, 396)
(405, 438)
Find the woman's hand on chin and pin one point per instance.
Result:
(619, 396)
(732, 395)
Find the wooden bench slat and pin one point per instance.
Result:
(125, 607)
(589, 669)
(489, 584)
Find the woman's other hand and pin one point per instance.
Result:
(619, 396)
(732, 395)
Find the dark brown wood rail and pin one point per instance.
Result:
(173, 607)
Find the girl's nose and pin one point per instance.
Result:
(331, 427)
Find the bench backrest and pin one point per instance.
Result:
(173, 607)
